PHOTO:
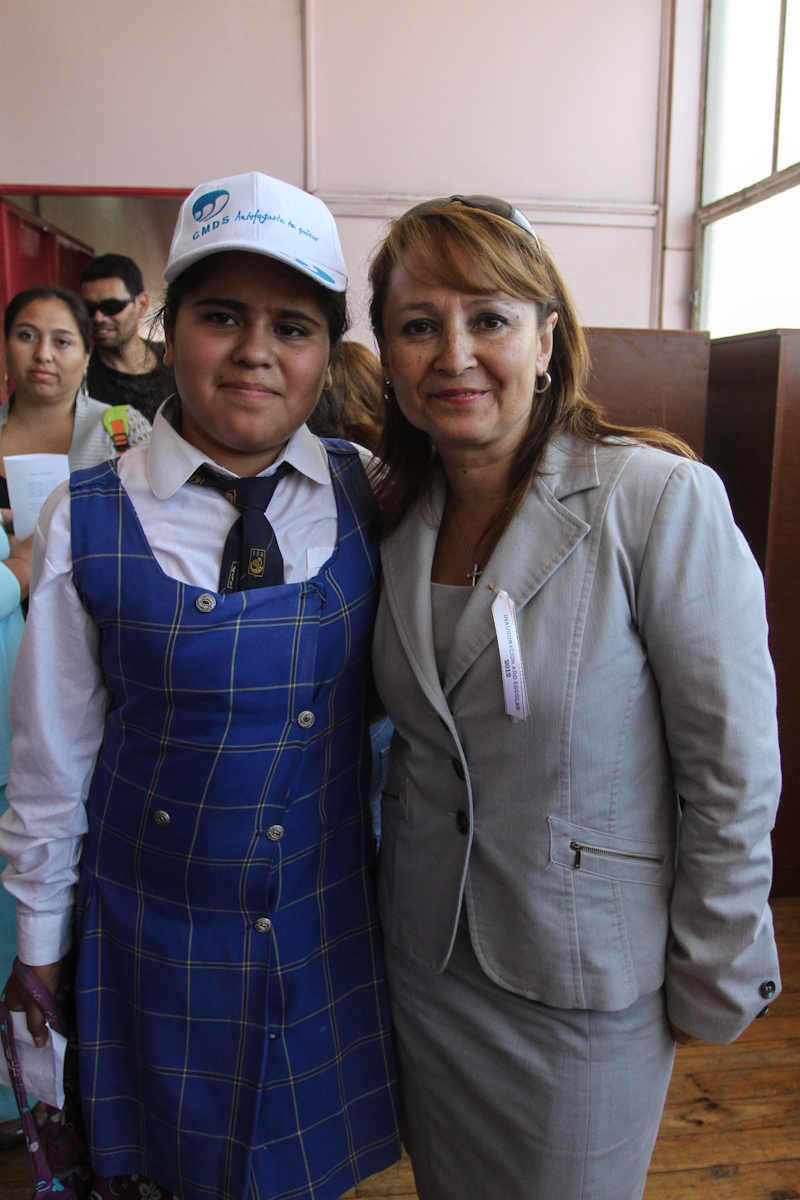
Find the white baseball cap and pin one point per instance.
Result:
(265, 216)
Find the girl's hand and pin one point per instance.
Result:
(18, 1000)
(19, 561)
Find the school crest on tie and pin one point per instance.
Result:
(257, 562)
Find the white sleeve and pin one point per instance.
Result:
(58, 704)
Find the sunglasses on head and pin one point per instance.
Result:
(109, 308)
(491, 204)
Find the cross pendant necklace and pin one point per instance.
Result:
(476, 572)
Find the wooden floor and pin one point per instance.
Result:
(731, 1126)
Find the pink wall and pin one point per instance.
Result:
(548, 100)
(584, 114)
(147, 93)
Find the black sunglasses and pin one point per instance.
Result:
(109, 308)
(491, 204)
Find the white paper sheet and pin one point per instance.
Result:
(31, 478)
(42, 1068)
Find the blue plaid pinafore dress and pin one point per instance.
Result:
(232, 1017)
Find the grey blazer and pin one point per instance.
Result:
(652, 743)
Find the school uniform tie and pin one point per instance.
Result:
(251, 558)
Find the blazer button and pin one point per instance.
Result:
(262, 925)
(767, 989)
(305, 719)
(161, 818)
(275, 833)
(462, 822)
(763, 1012)
(457, 767)
(206, 602)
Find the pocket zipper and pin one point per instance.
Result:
(580, 848)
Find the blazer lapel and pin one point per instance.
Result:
(406, 559)
(540, 537)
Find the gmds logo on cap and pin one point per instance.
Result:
(210, 205)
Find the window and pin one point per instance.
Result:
(747, 258)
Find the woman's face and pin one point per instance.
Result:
(45, 352)
(463, 367)
(250, 349)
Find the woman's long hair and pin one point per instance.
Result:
(474, 251)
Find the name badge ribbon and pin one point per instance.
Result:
(505, 623)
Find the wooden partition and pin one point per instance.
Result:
(652, 377)
(753, 441)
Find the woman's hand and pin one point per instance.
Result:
(681, 1038)
(19, 562)
(18, 1000)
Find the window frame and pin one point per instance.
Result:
(772, 185)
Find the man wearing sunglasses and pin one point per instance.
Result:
(123, 368)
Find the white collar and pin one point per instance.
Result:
(171, 460)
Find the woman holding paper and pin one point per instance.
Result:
(47, 348)
(47, 332)
(571, 636)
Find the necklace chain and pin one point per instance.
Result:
(475, 573)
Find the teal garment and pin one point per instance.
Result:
(8, 948)
(12, 624)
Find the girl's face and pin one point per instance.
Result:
(45, 352)
(250, 350)
(464, 367)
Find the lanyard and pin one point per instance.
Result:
(505, 623)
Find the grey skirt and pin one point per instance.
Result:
(508, 1099)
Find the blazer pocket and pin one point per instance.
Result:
(630, 860)
(394, 798)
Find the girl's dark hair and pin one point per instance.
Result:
(70, 300)
(333, 304)
(475, 251)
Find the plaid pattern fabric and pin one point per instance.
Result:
(233, 1023)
